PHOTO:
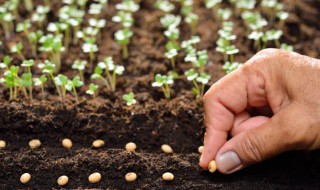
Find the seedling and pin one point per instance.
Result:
(129, 98)
(286, 47)
(199, 81)
(39, 16)
(23, 27)
(95, 9)
(48, 68)
(111, 70)
(80, 65)
(164, 82)
(40, 82)
(128, 6)
(61, 82)
(254, 21)
(171, 54)
(225, 47)
(29, 5)
(256, 36)
(6, 20)
(27, 77)
(224, 14)
(229, 67)
(213, 4)
(98, 24)
(17, 48)
(6, 62)
(164, 5)
(282, 15)
(168, 176)
(33, 38)
(170, 21)
(124, 18)
(92, 90)
(90, 47)
(272, 35)
(13, 82)
(73, 84)
(122, 37)
(192, 20)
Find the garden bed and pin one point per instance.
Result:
(151, 122)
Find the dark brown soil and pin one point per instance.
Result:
(150, 123)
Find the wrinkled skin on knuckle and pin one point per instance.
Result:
(251, 149)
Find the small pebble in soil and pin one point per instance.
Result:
(131, 176)
(95, 177)
(63, 180)
(25, 178)
(166, 149)
(35, 143)
(98, 143)
(200, 149)
(212, 167)
(67, 143)
(130, 147)
(168, 176)
(2, 144)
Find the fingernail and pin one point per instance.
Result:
(229, 162)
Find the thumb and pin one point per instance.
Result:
(256, 144)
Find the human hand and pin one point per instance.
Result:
(282, 89)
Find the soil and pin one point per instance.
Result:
(150, 123)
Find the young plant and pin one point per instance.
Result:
(5, 63)
(17, 48)
(92, 90)
(6, 20)
(29, 5)
(171, 54)
(224, 14)
(40, 82)
(128, 6)
(61, 81)
(163, 82)
(213, 4)
(122, 37)
(270, 35)
(27, 77)
(80, 65)
(129, 98)
(73, 84)
(164, 5)
(111, 71)
(282, 15)
(48, 69)
(229, 67)
(40, 15)
(199, 81)
(287, 47)
(256, 36)
(33, 38)
(98, 24)
(90, 47)
(170, 21)
(124, 18)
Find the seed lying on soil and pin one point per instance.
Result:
(212, 167)
(63, 180)
(2, 144)
(168, 176)
(98, 143)
(67, 143)
(200, 149)
(95, 177)
(25, 178)
(130, 147)
(35, 143)
(131, 176)
(166, 149)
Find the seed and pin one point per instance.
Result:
(35, 143)
(200, 149)
(98, 143)
(130, 147)
(168, 176)
(2, 144)
(67, 143)
(63, 180)
(166, 149)
(212, 167)
(95, 177)
(131, 176)
(25, 178)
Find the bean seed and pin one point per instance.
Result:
(200, 149)
(95, 177)
(35, 143)
(63, 180)
(168, 176)
(2, 144)
(166, 149)
(98, 143)
(67, 143)
(212, 167)
(130, 147)
(131, 176)
(25, 178)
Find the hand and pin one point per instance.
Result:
(268, 106)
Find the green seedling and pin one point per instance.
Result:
(122, 37)
(48, 69)
(90, 47)
(224, 14)
(27, 77)
(270, 35)
(164, 82)
(229, 67)
(23, 27)
(128, 6)
(170, 21)
(164, 5)
(6, 20)
(199, 81)
(17, 48)
(213, 4)
(124, 18)
(171, 54)
(129, 98)
(225, 47)
(192, 20)
(92, 90)
(73, 84)
(40, 82)
(111, 71)
(14, 83)
(256, 36)
(5, 63)
(282, 15)
(80, 65)
(98, 24)
(29, 5)
(95, 9)
(61, 82)
(286, 47)
(33, 38)
(40, 15)
(254, 21)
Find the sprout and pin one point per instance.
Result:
(13, 82)
(27, 77)
(92, 90)
(129, 98)
(254, 21)
(128, 6)
(40, 16)
(33, 38)
(73, 84)
(163, 81)
(40, 82)
(90, 47)
(17, 48)
(171, 54)
(48, 68)
(213, 4)
(23, 27)
(282, 15)
(95, 9)
(197, 79)
(122, 37)
(224, 14)
(6, 20)
(170, 21)
(124, 18)
(286, 47)
(29, 5)
(226, 48)
(61, 82)
(5, 63)
(272, 35)
(164, 5)
(192, 20)
(111, 71)
(256, 36)
(88, 33)
(80, 65)
(229, 67)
